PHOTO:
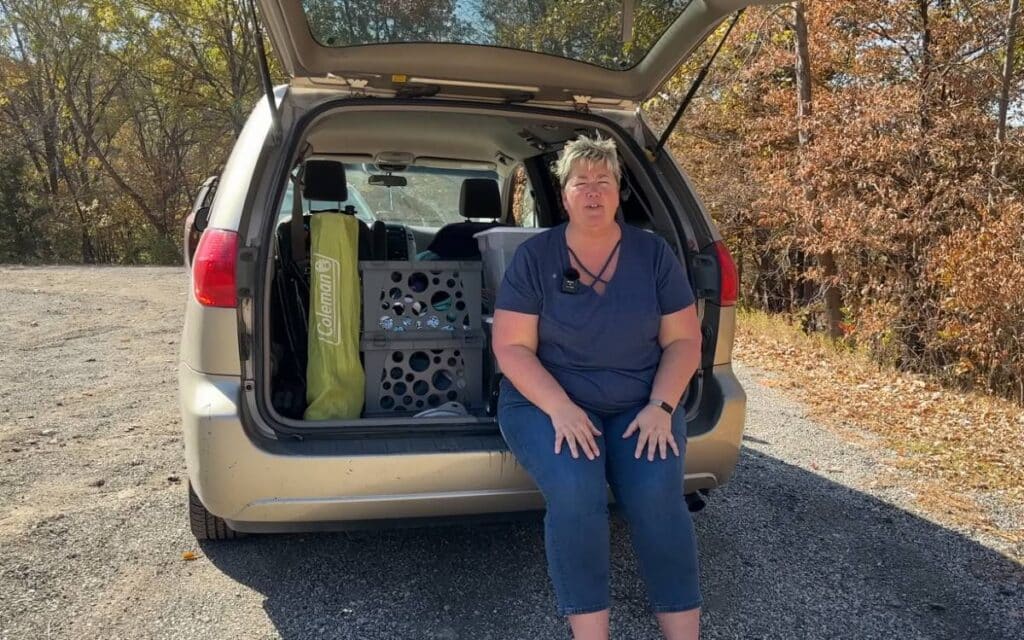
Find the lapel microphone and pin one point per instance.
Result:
(570, 281)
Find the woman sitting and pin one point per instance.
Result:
(596, 332)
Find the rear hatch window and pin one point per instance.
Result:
(598, 32)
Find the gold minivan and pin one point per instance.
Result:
(433, 124)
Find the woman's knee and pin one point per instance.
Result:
(528, 432)
(659, 493)
(570, 485)
(576, 493)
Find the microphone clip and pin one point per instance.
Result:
(571, 281)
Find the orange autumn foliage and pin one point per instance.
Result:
(894, 179)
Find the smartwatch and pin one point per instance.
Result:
(661, 404)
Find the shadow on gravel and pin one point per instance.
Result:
(785, 554)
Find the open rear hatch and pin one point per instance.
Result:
(521, 50)
(513, 51)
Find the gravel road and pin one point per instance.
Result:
(814, 538)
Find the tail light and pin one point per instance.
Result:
(729, 287)
(213, 268)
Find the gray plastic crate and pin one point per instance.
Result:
(422, 299)
(408, 376)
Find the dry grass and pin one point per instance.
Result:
(956, 443)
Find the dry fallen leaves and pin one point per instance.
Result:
(965, 441)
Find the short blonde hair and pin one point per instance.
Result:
(590, 150)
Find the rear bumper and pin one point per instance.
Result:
(256, 489)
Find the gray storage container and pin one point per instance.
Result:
(405, 376)
(497, 246)
(422, 299)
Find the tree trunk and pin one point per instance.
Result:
(925, 70)
(88, 251)
(804, 108)
(1004, 93)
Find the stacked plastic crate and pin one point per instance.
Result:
(422, 336)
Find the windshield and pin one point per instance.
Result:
(589, 31)
(363, 211)
(429, 198)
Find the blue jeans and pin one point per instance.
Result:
(576, 533)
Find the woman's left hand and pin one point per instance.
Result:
(655, 428)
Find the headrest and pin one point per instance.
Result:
(480, 199)
(324, 180)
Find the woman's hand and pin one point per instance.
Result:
(573, 426)
(655, 427)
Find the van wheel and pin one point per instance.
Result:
(205, 525)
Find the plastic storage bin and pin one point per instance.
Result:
(421, 299)
(497, 246)
(406, 376)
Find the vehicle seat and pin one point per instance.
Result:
(480, 199)
(325, 180)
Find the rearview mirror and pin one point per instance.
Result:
(388, 180)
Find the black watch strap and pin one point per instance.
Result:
(669, 409)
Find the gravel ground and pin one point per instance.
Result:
(814, 538)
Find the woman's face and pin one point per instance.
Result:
(591, 194)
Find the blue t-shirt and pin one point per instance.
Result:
(602, 348)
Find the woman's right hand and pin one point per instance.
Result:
(573, 427)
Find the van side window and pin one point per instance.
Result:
(524, 213)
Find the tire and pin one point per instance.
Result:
(205, 525)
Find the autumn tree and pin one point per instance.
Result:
(121, 108)
(896, 155)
